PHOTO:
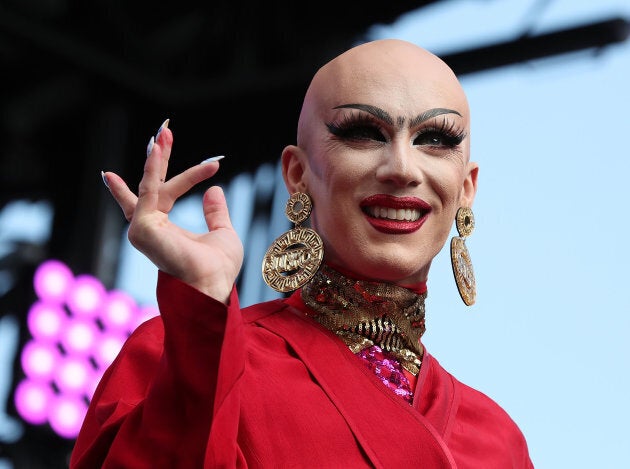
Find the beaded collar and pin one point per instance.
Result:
(364, 314)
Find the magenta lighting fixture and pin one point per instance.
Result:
(77, 328)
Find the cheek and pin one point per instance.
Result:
(448, 190)
(317, 172)
(332, 161)
(334, 176)
(447, 181)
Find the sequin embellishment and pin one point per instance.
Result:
(388, 370)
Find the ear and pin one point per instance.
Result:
(469, 188)
(294, 168)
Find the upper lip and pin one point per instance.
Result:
(414, 207)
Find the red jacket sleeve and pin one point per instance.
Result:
(154, 405)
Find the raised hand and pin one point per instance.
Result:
(209, 261)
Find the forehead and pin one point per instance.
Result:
(398, 77)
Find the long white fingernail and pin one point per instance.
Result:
(214, 158)
(104, 179)
(150, 146)
(162, 127)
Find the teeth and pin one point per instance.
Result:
(402, 214)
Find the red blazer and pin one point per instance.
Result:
(208, 385)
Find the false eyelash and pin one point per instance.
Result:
(349, 123)
(451, 133)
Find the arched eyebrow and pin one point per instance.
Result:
(377, 112)
(426, 115)
(382, 115)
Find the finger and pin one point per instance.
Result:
(148, 189)
(121, 193)
(178, 185)
(164, 138)
(215, 209)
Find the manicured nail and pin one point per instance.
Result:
(162, 127)
(104, 179)
(150, 146)
(214, 158)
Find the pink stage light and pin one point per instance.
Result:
(119, 311)
(32, 401)
(46, 320)
(66, 415)
(78, 329)
(52, 280)
(80, 336)
(86, 296)
(40, 360)
(74, 376)
(106, 350)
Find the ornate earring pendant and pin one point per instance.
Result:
(295, 256)
(460, 259)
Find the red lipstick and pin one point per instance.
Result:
(391, 226)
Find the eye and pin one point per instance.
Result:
(444, 135)
(436, 139)
(356, 128)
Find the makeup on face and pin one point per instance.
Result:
(367, 123)
(395, 215)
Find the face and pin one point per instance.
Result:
(383, 151)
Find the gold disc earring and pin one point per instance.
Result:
(460, 259)
(295, 256)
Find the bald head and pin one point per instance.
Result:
(391, 74)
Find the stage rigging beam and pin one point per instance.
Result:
(526, 48)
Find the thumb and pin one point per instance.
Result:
(215, 209)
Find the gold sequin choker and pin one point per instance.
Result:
(365, 313)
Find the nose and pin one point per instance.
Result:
(399, 166)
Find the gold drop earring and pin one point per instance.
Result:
(460, 259)
(295, 256)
